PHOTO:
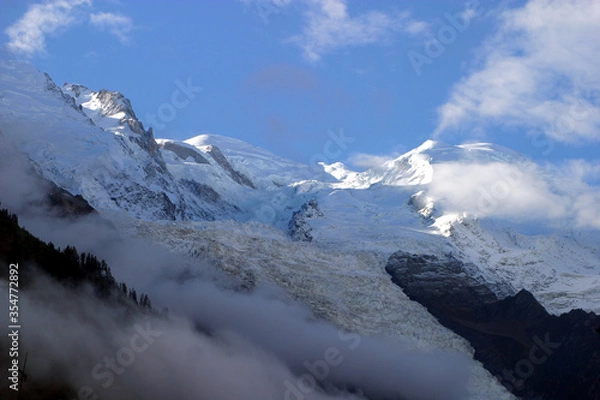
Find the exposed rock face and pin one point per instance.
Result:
(207, 196)
(436, 277)
(111, 104)
(423, 205)
(154, 193)
(184, 152)
(67, 205)
(298, 227)
(534, 354)
(115, 102)
(70, 101)
(204, 192)
(145, 140)
(76, 88)
(220, 158)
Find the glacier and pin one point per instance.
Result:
(220, 200)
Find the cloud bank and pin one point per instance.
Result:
(219, 344)
(521, 192)
(539, 71)
(98, 350)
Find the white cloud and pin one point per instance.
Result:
(116, 24)
(329, 27)
(27, 36)
(587, 210)
(582, 170)
(520, 192)
(495, 189)
(540, 71)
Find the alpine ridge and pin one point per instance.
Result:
(325, 234)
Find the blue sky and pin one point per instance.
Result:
(286, 75)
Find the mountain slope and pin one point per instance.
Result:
(93, 145)
(534, 354)
(441, 199)
(323, 234)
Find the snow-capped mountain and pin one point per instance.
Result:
(92, 144)
(324, 235)
(460, 198)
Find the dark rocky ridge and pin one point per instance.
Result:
(113, 103)
(298, 227)
(207, 196)
(220, 158)
(70, 101)
(53, 200)
(184, 152)
(66, 205)
(533, 354)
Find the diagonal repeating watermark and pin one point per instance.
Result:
(491, 196)
(180, 98)
(105, 371)
(514, 379)
(334, 147)
(436, 43)
(318, 371)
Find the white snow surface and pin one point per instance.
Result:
(367, 215)
(348, 288)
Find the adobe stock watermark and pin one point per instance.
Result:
(539, 353)
(563, 124)
(104, 372)
(317, 371)
(267, 213)
(436, 44)
(180, 99)
(333, 149)
(265, 8)
(492, 196)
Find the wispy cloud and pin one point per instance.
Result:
(539, 71)
(329, 27)
(582, 170)
(115, 24)
(496, 190)
(519, 192)
(27, 36)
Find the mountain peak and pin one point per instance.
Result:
(75, 90)
(427, 145)
(477, 152)
(108, 109)
(416, 167)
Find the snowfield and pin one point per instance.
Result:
(227, 202)
(349, 288)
